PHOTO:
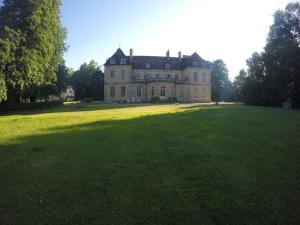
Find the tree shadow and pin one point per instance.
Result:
(162, 169)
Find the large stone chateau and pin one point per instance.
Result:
(140, 78)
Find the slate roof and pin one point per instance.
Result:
(159, 62)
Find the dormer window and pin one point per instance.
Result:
(167, 66)
(195, 64)
(148, 66)
(112, 61)
(123, 61)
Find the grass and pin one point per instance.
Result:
(161, 164)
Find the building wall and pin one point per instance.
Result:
(193, 90)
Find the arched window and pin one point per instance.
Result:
(123, 61)
(167, 66)
(152, 91)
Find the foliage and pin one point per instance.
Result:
(64, 75)
(221, 85)
(160, 164)
(154, 100)
(274, 75)
(30, 106)
(88, 81)
(3, 89)
(32, 45)
(238, 86)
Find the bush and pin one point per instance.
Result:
(154, 100)
(4, 107)
(172, 99)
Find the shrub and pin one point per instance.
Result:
(154, 100)
(172, 99)
(4, 107)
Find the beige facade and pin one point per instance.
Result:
(128, 82)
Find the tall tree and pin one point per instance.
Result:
(274, 75)
(282, 56)
(88, 81)
(32, 44)
(221, 85)
(3, 90)
(238, 85)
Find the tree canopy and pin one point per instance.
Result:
(274, 75)
(221, 85)
(32, 45)
(88, 81)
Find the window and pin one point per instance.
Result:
(173, 92)
(123, 91)
(112, 92)
(181, 92)
(195, 64)
(204, 77)
(112, 61)
(169, 76)
(152, 91)
(176, 77)
(163, 91)
(195, 76)
(157, 75)
(123, 61)
(138, 91)
(137, 76)
(112, 74)
(148, 66)
(204, 92)
(196, 92)
(167, 66)
(122, 74)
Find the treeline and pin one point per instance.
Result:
(273, 76)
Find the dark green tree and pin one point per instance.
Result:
(64, 75)
(274, 75)
(282, 57)
(88, 81)
(221, 85)
(32, 45)
(3, 90)
(238, 86)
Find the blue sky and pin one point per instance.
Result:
(231, 30)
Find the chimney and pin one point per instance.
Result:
(168, 54)
(179, 55)
(131, 54)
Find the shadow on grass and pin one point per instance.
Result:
(182, 168)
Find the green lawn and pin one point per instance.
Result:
(163, 164)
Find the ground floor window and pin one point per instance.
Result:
(163, 91)
(181, 92)
(152, 91)
(138, 91)
(112, 92)
(173, 91)
(196, 92)
(123, 91)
